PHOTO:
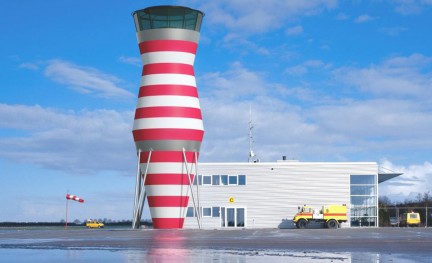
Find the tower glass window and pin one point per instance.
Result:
(364, 200)
(168, 17)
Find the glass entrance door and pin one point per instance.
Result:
(233, 217)
(230, 217)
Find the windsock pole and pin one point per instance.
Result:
(67, 202)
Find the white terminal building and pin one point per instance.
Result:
(267, 195)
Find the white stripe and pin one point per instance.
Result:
(167, 190)
(168, 212)
(168, 100)
(168, 79)
(168, 123)
(168, 57)
(167, 168)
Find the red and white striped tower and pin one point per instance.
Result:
(168, 127)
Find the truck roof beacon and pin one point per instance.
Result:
(168, 128)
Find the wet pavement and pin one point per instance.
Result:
(248, 245)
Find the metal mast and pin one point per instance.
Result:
(252, 157)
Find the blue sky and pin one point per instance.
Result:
(326, 80)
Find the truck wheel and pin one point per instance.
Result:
(301, 224)
(332, 224)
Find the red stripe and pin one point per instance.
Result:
(160, 223)
(178, 90)
(167, 68)
(166, 111)
(168, 45)
(168, 179)
(168, 134)
(168, 201)
(167, 156)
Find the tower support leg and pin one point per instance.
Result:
(140, 193)
(196, 206)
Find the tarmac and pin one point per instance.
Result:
(393, 243)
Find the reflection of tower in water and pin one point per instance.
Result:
(168, 127)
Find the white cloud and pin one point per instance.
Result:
(252, 17)
(306, 122)
(225, 99)
(411, 7)
(296, 30)
(393, 31)
(396, 77)
(85, 80)
(30, 66)
(389, 120)
(306, 66)
(236, 83)
(416, 179)
(135, 61)
(81, 142)
(242, 46)
(389, 112)
(297, 70)
(342, 16)
(363, 18)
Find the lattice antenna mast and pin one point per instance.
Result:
(251, 140)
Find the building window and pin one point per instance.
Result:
(207, 211)
(215, 180)
(215, 211)
(368, 190)
(363, 190)
(224, 179)
(207, 180)
(240, 217)
(220, 180)
(242, 179)
(197, 179)
(233, 179)
(363, 179)
(190, 212)
(364, 201)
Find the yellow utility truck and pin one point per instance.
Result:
(410, 219)
(330, 215)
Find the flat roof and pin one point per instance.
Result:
(287, 162)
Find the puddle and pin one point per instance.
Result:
(107, 255)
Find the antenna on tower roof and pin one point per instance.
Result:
(252, 157)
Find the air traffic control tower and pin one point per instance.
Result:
(168, 127)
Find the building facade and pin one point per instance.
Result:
(267, 195)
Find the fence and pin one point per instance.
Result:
(391, 215)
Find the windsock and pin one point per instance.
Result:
(75, 198)
(168, 127)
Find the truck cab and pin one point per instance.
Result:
(410, 219)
